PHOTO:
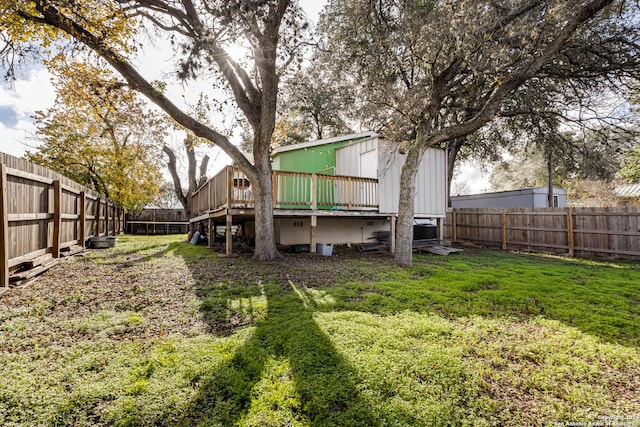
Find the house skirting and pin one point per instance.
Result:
(295, 227)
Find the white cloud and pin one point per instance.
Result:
(34, 92)
(476, 179)
(24, 98)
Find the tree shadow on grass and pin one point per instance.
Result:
(325, 385)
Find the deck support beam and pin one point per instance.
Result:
(392, 234)
(209, 233)
(313, 236)
(228, 237)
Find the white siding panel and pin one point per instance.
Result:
(431, 182)
(348, 158)
(431, 185)
(369, 164)
(389, 177)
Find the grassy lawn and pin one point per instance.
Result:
(158, 332)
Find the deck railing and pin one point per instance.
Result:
(230, 188)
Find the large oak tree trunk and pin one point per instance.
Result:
(404, 226)
(265, 248)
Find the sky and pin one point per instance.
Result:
(33, 92)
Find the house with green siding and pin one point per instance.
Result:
(314, 156)
(340, 190)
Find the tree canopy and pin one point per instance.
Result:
(441, 70)
(200, 33)
(100, 134)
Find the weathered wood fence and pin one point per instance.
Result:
(44, 216)
(589, 232)
(157, 221)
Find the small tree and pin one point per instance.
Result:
(101, 135)
(196, 175)
(630, 168)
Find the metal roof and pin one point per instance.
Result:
(310, 144)
(630, 190)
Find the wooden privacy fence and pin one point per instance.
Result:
(599, 232)
(44, 216)
(157, 221)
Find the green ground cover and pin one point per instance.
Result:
(158, 332)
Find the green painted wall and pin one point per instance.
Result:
(320, 159)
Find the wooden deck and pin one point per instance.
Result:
(227, 198)
(230, 189)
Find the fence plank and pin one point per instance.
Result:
(4, 229)
(570, 232)
(57, 217)
(83, 219)
(504, 230)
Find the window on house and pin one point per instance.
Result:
(555, 201)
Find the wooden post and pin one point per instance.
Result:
(440, 228)
(570, 242)
(98, 204)
(504, 230)
(314, 186)
(392, 234)
(210, 236)
(230, 187)
(454, 227)
(313, 237)
(57, 217)
(83, 218)
(349, 194)
(107, 217)
(114, 219)
(4, 228)
(274, 188)
(228, 237)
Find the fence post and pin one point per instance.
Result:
(57, 217)
(570, 242)
(4, 229)
(83, 218)
(107, 216)
(454, 227)
(504, 230)
(97, 215)
(114, 218)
